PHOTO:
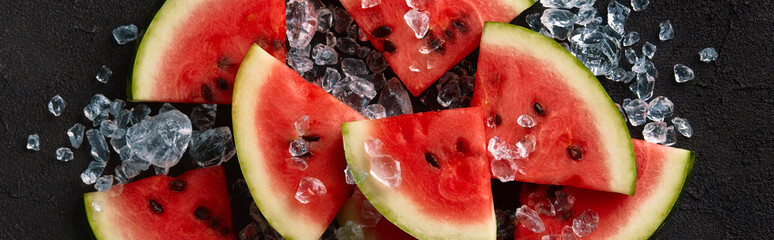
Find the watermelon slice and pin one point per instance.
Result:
(192, 48)
(430, 177)
(661, 175)
(454, 32)
(194, 205)
(358, 210)
(581, 139)
(269, 99)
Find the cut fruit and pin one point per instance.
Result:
(194, 205)
(192, 48)
(452, 32)
(269, 99)
(429, 176)
(353, 210)
(661, 175)
(581, 138)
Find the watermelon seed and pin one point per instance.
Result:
(575, 152)
(460, 25)
(222, 84)
(430, 158)
(207, 93)
(381, 32)
(462, 146)
(224, 231)
(538, 108)
(311, 138)
(224, 63)
(494, 121)
(448, 35)
(202, 213)
(155, 206)
(177, 185)
(388, 46)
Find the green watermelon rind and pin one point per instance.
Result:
(101, 229)
(384, 200)
(508, 35)
(518, 5)
(688, 168)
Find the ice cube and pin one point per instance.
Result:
(585, 223)
(350, 231)
(636, 111)
(586, 15)
(139, 113)
(708, 54)
(354, 176)
(56, 105)
(92, 172)
(417, 4)
(324, 20)
(448, 89)
(124, 118)
(631, 38)
(616, 16)
(125, 34)
(631, 56)
(161, 139)
(298, 147)
(369, 216)
(330, 39)
(671, 136)
(75, 134)
(648, 49)
(666, 31)
(386, 170)
(309, 188)
(683, 73)
(363, 51)
(354, 67)
(363, 88)
(132, 167)
(529, 219)
(341, 19)
(533, 20)
(118, 143)
(344, 93)
(395, 98)
(104, 183)
(566, 4)
(301, 64)
(376, 62)
(560, 22)
(643, 86)
(639, 5)
(618, 74)
(104, 74)
(110, 130)
(116, 106)
(682, 126)
(584, 3)
(211, 147)
(33, 142)
(564, 201)
(373, 146)
(324, 55)
(378, 80)
(99, 148)
(503, 169)
(659, 108)
(369, 3)
(545, 207)
(526, 145)
(500, 149)
(655, 132)
(301, 125)
(300, 22)
(203, 116)
(418, 21)
(568, 234)
(526, 121)
(297, 162)
(329, 80)
(595, 49)
(64, 154)
(374, 111)
(644, 65)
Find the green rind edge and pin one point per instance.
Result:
(688, 170)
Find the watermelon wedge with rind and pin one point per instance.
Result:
(519, 69)
(192, 49)
(662, 173)
(269, 98)
(455, 25)
(429, 202)
(384, 229)
(124, 211)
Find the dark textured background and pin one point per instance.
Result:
(56, 47)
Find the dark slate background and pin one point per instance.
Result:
(57, 47)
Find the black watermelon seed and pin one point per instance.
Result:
(224, 231)
(311, 138)
(381, 32)
(430, 158)
(202, 213)
(460, 25)
(538, 108)
(463, 146)
(436, 44)
(155, 206)
(388, 46)
(496, 120)
(207, 93)
(448, 35)
(224, 63)
(575, 152)
(177, 185)
(222, 84)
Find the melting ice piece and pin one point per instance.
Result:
(566, 4)
(660, 108)
(369, 3)
(533, 20)
(376, 62)
(354, 176)
(526, 121)
(301, 22)
(373, 146)
(585, 223)
(111, 130)
(616, 16)
(125, 34)
(500, 149)
(161, 139)
(545, 207)
(630, 55)
(56, 105)
(92, 172)
(298, 147)
(639, 5)
(708, 54)
(139, 113)
(682, 126)
(644, 65)
(116, 106)
(395, 98)
(374, 111)
(324, 55)
(643, 86)
(347, 45)
(655, 132)
(526, 145)
(648, 49)
(683, 73)
(595, 49)
(363, 88)
(618, 74)
(350, 231)
(75, 133)
(203, 116)
(124, 118)
(33, 142)
(309, 188)
(325, 21)
(503, 169)
(631, 38)
(297, 162)
(99, 148)
(636, 111)
(417, 21)
(564, 201)
(529, 219)
(560, 22)
(104, 183)
(330, 79)
(666, 32)
(568, 234)
(212, 146)
(302, 125)
(449, 90)
(586, 15)
(354, 67)
(386, 170)
(104, 74)
(671, 136)
(64, 154)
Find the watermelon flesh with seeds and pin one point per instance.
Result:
(194, 205)
(661, 175)
(581, 140)
(453, 32)
(192, 49)
(429, 175)
(269, 101)
(358, 210)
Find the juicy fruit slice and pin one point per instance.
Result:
(661, 175)
(443, 172)
(353, 211)
(194, 205)
(582, 140)
(269, 98)
(193, 48)
(454, 32)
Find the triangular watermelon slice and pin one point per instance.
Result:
(428, 172)
(194, 205)
(525, 79)
(453, 31)
(375, 227)
(270, 99)
(192, 48)
(661, 176)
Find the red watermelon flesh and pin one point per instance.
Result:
(269, 99)
(521, 72)
(193, 48)
(353, 211)
(194, 205)
(661, 176)
(454, 32)
(443, 171)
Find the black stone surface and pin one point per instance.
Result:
(57, 47)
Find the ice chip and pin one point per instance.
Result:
(564, 201)
(618, 74)
(75, 134)
(203, 116)
(595, 49)
(139, 113)
(104, 74)
(526, 121)
(639, 5)
(683, 73)
(418, 21)
(125, 34)
(648, 49)
(212, 146)
(584, 3)
(533, 21)
(350, 231)
(124, 118)
(329, 80)
(682, 126)
(324, 21)
(347, 45)
(354, 67)
(341, 19)
(374, 111)
(297, 162)
(631, 38)
(161, 139)
(585, 223)
(666, 31)
(99, 148)
(56, 105)
(354, 176)
(309, 188)
(386, 170)
(671, 136)
(503, 169)
(500, 149)
(373, 146)
(566, 4)
(33, 142)
(362, 51)
(111, 130)
(529, 219)
(369, 3)
(586, 15)
(324, 55)
(616, 16)
(660, 108)
(644, 65)
(551, 237)
(64, 154)
(568, 234)
(417, 4)
(301, 125)
(395, 98)
(300, 22)
(631, 55)
(116, 106)
(526, 145)
(560, 22)
(298, 147)
(545, 207)
(363, 88)
(104, 183)
(376, 62)
(655, 132)
(708, 54)
(643, 86)
(92, 172)
(449, 91)
(636, 111)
